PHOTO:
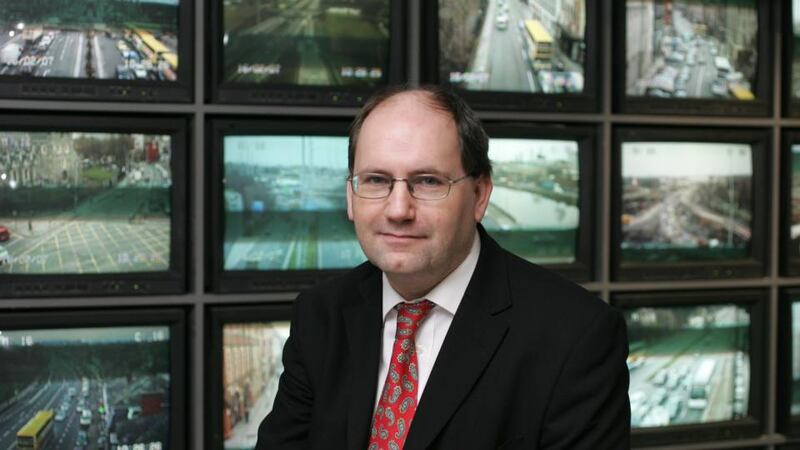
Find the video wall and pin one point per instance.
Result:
(643, 197)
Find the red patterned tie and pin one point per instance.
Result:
(399, 396)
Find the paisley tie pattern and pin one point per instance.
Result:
(398, 400)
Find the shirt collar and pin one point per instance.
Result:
(448, 293)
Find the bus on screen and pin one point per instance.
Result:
(84, 39)
(84, 203)
(285, 205)
(507, 45)
(688, 364)
(93, 388)
(322, 43)
(533, 210)
(691, 48)
(252, 366)
(685, 201)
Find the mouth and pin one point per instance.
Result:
(399, 237)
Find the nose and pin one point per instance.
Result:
(400, 204)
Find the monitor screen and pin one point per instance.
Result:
(794, 34)
(534, 207)
(513, 46)
(251, 367)
(794, 187)
(692, 49)
(87, 40)
(688, 364)
(685, 201)
(795, 388)
(285, 204)
(84, 202)
(88, 387)
(307, 43)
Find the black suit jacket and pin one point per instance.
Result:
(531, 361)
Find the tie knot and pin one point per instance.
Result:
(409, 315)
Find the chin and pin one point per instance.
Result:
(403, 263)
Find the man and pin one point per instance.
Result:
(443, 340)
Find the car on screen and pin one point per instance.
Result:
(502, 21)
(719, 88)
(86, 418)
(4, 234)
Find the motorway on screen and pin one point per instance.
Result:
(688, 365)
(685, 201)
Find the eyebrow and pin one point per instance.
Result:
(422, 171)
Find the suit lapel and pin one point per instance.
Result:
(363, 327)
(472, 340)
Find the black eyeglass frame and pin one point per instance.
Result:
(353, 180)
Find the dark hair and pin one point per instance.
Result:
(472, 139)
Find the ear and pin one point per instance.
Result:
(483, 190)
(349, 189)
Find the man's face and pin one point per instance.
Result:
(417, 241)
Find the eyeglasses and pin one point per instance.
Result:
(424, 186)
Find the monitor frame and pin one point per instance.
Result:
(761, 106)
(230, 281)
(754, 265)
(787, 423)
(173, 317)
(748, 427)
(583, 268)
(145, 91)
(219, 91)
(586, 102)
(170, 281)
(217, 317)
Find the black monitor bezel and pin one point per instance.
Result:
(83, 89)
(175, 318)
(217, 317)
(748, 427)
(170, 281)
(218, 91)
(789, 265)
(588, 101)
(755, 265)
(787, 423)
(761, 106)
(583, 268)
(225, 281)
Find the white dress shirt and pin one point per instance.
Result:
(429, 336)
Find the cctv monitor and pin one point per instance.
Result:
(512, 55)
(92, 205)
(93, 379)
(692, 57)
(279, 216)
(541, 203)
(689, 203)
(101, 51)
(696, 365)
(788, 417)
(245, 350)
(331, 53)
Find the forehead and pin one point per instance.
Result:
(407, 132)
